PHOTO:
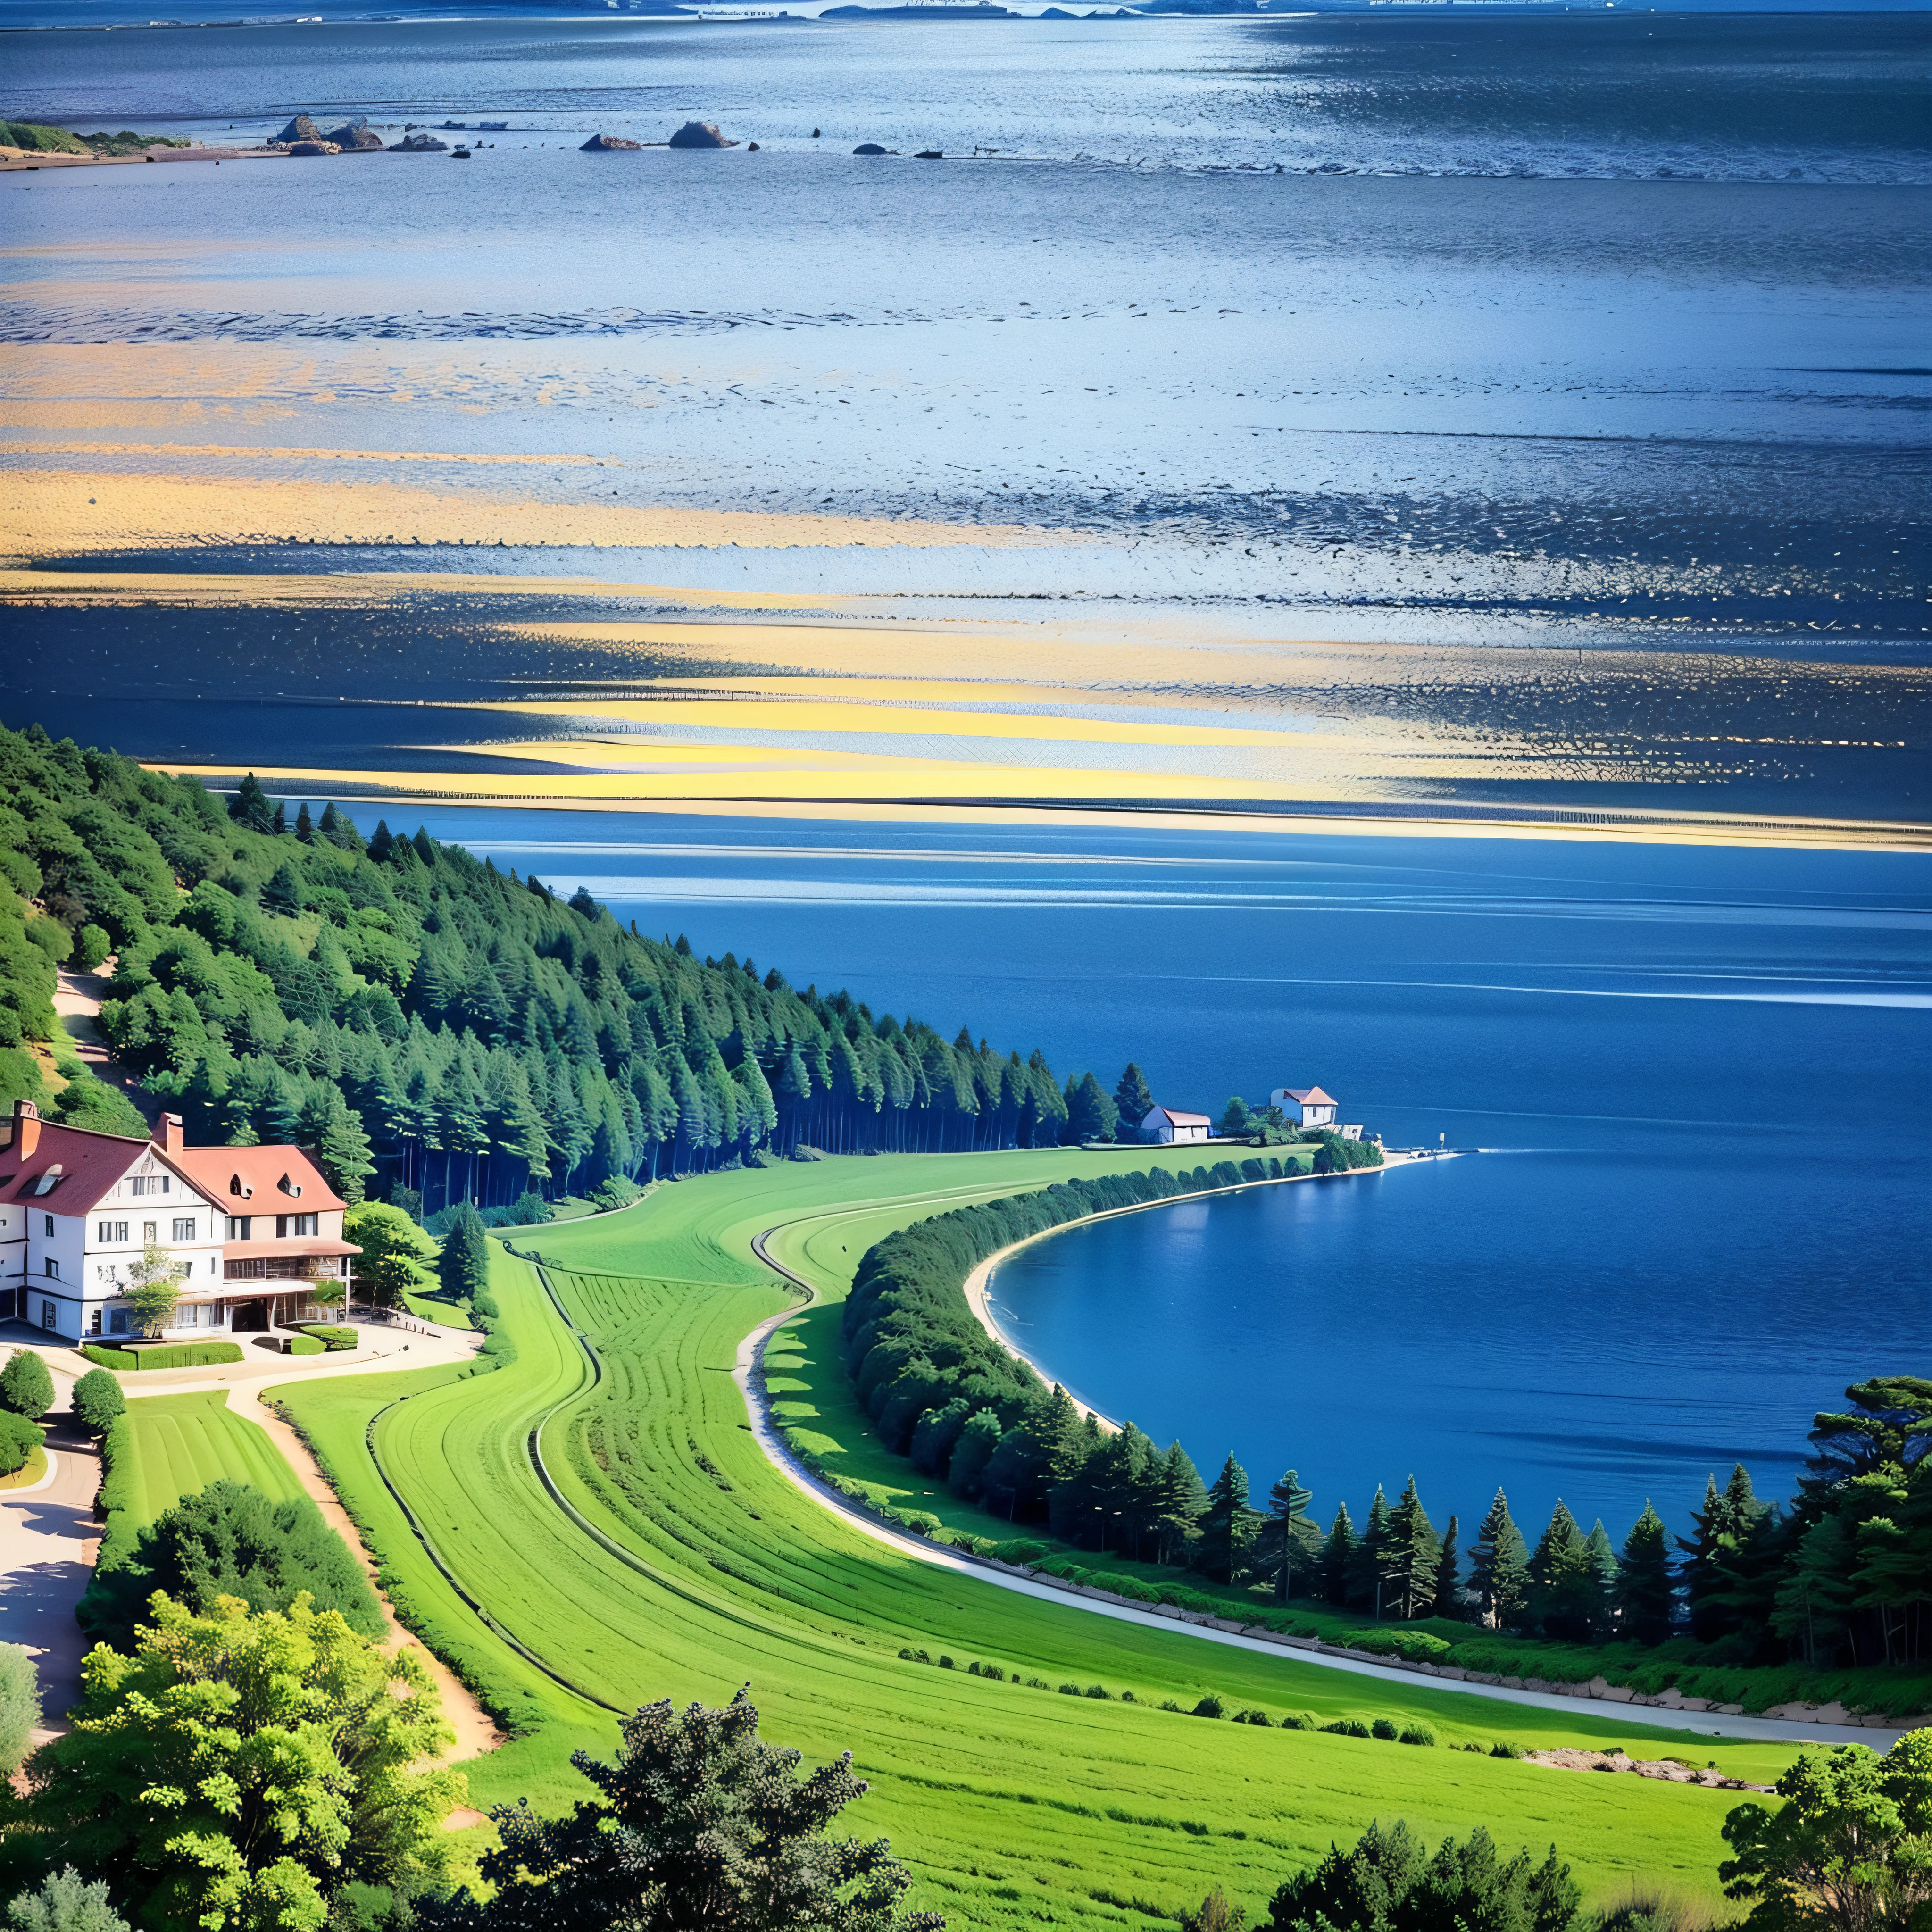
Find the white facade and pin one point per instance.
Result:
(78, 1210)
(1168, 1126)
(1307, 1107)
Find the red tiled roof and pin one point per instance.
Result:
(1306, 1096)
(248, 1181)
(84, 1165)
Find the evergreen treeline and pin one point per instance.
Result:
(433, 1027)
(939, 1389)
(1844, 1575)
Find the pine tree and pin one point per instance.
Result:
(1133, 1100)
(1181, 1499)
(1365, 1573)
(1603, 1556)
(1721, 1531)
(1448, 1574)
(1227, 1525)
(1644, 1595)
(1288, 1542)
(1499, 1568)
(1817, 1599)
(1565, 1595)
(304, 825)
(249, 806)
(1337, 1560)
(463, 1267)
(282, 893)
(1410, 1551)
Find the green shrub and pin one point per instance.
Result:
(331, 1337)
(166, 1355)
(1417, 1733)
(98, 1401)
(25, 1386)
(65, 1903)
(19, 1439)
(1069, 1690)
(92, 945)
(303, 1345)
(1253, 1717)
(1386, 1729)
(618, 1192)
(1347, 1727)
(1096, 1690)
(20, 1705)
(1209, 1706)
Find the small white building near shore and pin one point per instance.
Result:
(1168, 1126)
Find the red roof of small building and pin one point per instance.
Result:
(70, 1169)
(1308, 1096)
(259, 1180)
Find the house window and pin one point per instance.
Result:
(53, 1269)
(49, 1314)
(93, 1322)
(149, 1184)
(188, 1315)
(240, 1227)
(113, 1233)
(150, 1230)
(308, 1224)
(183, 1229)
(50, 1220)
(117, 1321)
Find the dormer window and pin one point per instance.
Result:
(48, 1182)
(238, 1187)
(292, 1188)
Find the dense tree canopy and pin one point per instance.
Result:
(430, 1024)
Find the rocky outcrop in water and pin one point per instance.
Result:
(608, 144)
(356, 138)
(700, 134)
(314, 147)
(301, 128)
(422, 143)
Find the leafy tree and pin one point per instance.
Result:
(390, 1241)
(19, 1439)
(1499, 1568)
(1215, 1914)
(1227, 1525)
(229, 1540)
(236, 1767)
(1388, 1882)
(1411, 1553)
(154, 1288)
(91, 944)
(967, 1474)
(1133, 1099)
(1288, 1541)
(98, 1401)
(1237, 1117)
(1566, 1594)
(1850, 1849)
(1644, 1595)
(20, 1705)
(698, 1826)
(66, 1903)
(90, 1103)
(26, 1388)
(529, 1209)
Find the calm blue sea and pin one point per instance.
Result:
(1702, 1081)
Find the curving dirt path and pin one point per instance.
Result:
(747, 1371)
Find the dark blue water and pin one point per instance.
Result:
(1703, 1079)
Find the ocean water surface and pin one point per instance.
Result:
(1701, 1081)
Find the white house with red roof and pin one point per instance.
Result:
(257, 1231)
(1168, 1126)
(1307, 1107)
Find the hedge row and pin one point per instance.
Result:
(171, 1355)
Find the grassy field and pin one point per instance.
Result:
(684, 1565)
(182, 1443)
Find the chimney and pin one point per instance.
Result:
(169, 1139)
(26, 1128)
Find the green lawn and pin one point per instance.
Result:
(707, 1570)
(182, 1443)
